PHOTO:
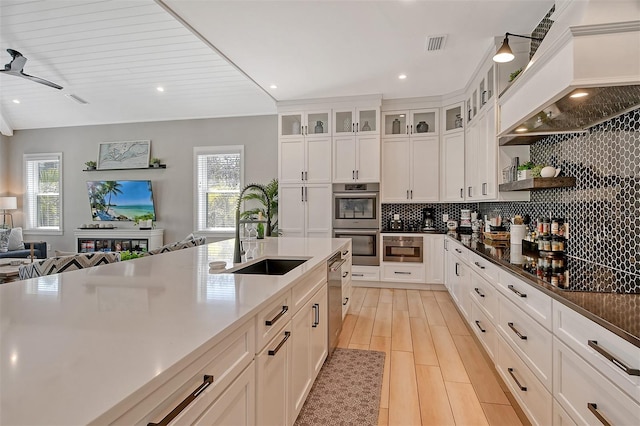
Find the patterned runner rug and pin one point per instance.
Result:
(347, 390)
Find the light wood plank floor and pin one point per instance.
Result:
(436, 372)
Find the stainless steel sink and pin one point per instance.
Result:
(270, 266)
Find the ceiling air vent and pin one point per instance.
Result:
(76, 98)
(435, 43)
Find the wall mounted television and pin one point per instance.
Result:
(121, 200)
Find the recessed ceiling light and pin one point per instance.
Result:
(16, 101)
(521, 129)
(402, 76)
(160, 89)
(579, 95)
(273, 86)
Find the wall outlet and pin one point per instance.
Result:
(445, 217)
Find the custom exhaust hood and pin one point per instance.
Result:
(586, 71)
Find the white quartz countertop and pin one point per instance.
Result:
(76, 344)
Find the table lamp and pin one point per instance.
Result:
(8, 203)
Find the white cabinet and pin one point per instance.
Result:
(308, 348)
(305, 160)
(310, 123)
(452, 173)
(273, 365)
(356, 159)
(365, 273)
(305, 210)
(402, 272)
(529, 299)
(459, 282)
(480, 157)
(484, 329)
(356, 145)
(434, 258)
(346, 282)
(416, 122)
(587, 395)
(410, 169)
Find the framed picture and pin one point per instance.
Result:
(124, 155)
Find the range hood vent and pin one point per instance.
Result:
(593, 48)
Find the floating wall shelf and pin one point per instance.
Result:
(162, 166)
(538, 183)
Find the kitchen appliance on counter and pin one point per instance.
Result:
(428, 219)
(396, 224)
(356, 215)
(402, 248)
(334, 304)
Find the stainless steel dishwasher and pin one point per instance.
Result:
(334, 288)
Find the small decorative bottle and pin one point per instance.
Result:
(458, 122)
(395, 127)
(319, 128)
(366, 127)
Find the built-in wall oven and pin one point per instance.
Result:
(356, 215)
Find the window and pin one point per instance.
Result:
(43, 193)
(219, 180)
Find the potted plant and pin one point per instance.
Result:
(525, 170)
(155, 162)
(514, 74)
(91, 165)
(272, 191)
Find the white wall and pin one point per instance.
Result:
(171, 141)
(4, 165)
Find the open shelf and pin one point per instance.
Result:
(161, 166)
(538, 183)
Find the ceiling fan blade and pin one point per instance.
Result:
(41, 81)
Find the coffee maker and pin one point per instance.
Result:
(428, 219)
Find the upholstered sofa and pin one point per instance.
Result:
(39, 250)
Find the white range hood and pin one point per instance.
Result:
(593, 46)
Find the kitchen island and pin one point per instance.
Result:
(85, 346)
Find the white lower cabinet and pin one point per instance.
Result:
(434, 258)
(272, 380)
(531, 300)
(484, 329)
(346, 285)
(560, 416)
(403, 272)
(459, 277)
(485, 295)
(586, 395)
(365, 273)
(308, 348)
(531, 341)
(534, 399)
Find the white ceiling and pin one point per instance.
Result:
(115, 53)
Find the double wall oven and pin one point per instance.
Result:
(356, 215)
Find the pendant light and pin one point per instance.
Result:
(505, 54)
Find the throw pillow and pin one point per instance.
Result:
(15, 239)
(4, 240)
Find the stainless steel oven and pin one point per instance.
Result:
(364, 245)
(396, 248)
(356, 205)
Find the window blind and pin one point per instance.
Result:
(43, 192)
(219, 180)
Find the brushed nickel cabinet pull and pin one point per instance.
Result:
(479, 265)
(272, 321)
(522, 388)
(302, 194)
(316, 315)
(353, 127)
(593, 407)
(520, 335)
(407, 129)
(513, 289)
(346, 252)
(480, 327)
(346, 300)
(357, 174)
(357, 127)
(630, 371)
(345, 274)
(457, 264)
(458, 251)
(461, 192)
(353, 175)
(272, 352)
(306, 175)
(484, 188)
(357, 275)
(469, 191)
(402, 273)
(208, 380)
(407, 194)
(477, 290)
(301, 175)
(411, 192)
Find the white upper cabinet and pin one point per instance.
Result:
(399, 124)
(452, 154)
(304, 147)
(356, 121)
(356, 159)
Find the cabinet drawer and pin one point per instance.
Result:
(586, 394)
(485, 268)
(225, 361)
(270, 320)
(529, 339)
(534, 399)
(560, 416)
(576, 331)
(306, 288)
(346, 299)
(486, 295)
(526, 297)
(458, 250)
(484, 329)
(365, 273)
(403, 272)
(346, 272)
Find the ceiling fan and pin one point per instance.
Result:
(17, 64)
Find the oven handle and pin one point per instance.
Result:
(355, 231)
(356, 194)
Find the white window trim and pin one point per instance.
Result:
(25, 205)
(212, 150)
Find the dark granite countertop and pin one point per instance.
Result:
(589, 293)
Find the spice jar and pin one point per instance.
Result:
(546, 225)
(539, 226)
(545, 241)
(557, 243)
(554, 226)
(557, 265)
